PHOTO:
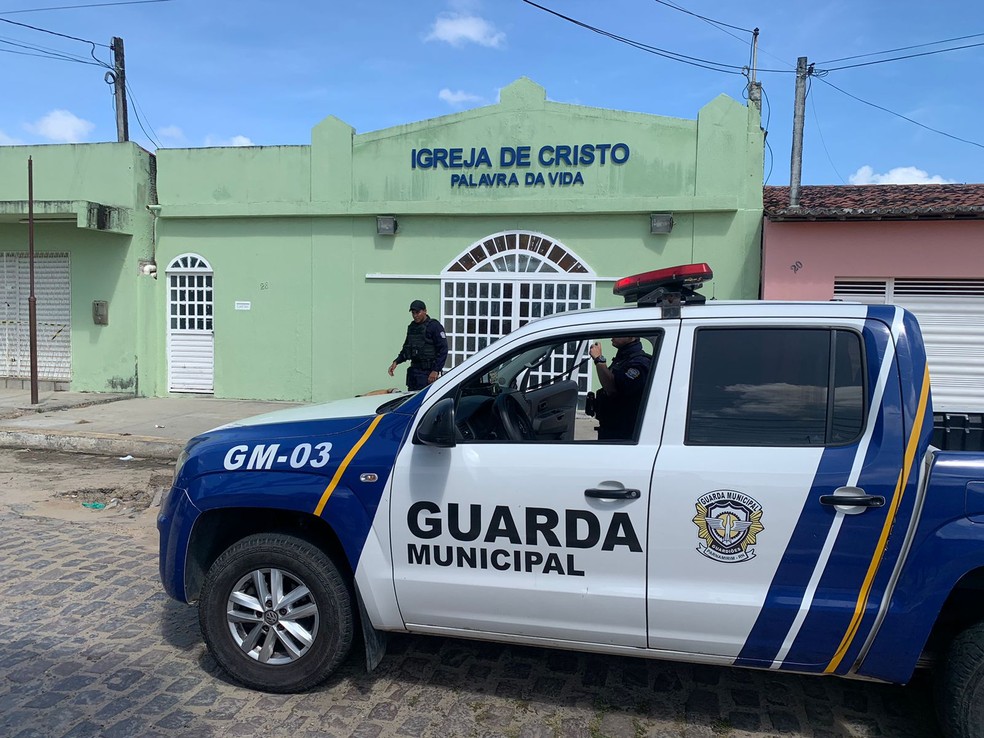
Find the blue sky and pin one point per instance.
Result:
(215, 72)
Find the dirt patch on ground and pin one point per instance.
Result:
(82, 488)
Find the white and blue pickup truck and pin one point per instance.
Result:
(775, 504)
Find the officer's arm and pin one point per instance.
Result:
(440, 344)
(606, 378)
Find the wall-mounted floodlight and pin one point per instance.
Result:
(385, 225)
(660, 222)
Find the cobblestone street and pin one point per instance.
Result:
(92, 647)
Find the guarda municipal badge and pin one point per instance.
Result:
(727, 524)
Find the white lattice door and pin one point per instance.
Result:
(505, 281)
(53, 295)
(191, 338)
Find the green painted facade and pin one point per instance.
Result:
(89, 202)
(290, 231)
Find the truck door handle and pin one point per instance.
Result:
(613, 494)
(853, 500)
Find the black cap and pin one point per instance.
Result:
(418, 305)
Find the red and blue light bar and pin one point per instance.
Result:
(681, 280)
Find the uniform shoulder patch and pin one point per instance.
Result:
(632, 373)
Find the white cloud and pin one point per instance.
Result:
(234, 141)
(6, 140)
(458, 98)
(172, 136)
(61, 126)
(459, 29)
(898, 175)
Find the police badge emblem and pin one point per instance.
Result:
(728, 523)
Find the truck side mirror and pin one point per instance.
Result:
(437, 426)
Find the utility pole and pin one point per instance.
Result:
(754, 88)
(799, 111)
(119, 90)
(32, 301)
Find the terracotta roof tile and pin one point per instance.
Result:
(876, 202)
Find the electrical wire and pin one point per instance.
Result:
(76, 7)
(672, 55)
(899, 115)
(907, 56)
(901, 48)
(823, 142)
(46, 52)
(706, 20)
(768, 146)
(137, 112)
(53, 33)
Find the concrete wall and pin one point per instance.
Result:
(105, 245)
(802, 259)
(292, 230)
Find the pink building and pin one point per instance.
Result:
(919, 246)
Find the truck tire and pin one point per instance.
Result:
(276, 614)
(960, 686)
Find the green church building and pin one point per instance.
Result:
(286, 272)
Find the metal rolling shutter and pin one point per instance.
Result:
(53, 293)
(951, 314)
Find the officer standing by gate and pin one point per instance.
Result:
(426, 348)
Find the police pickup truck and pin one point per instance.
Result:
(778, 505)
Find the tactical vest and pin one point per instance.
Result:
(419, 346)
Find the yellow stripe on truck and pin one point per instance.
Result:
(344, 465)
(865, 593)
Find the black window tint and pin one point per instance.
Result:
(847, 413)
(768, 387)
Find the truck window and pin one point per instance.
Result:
(550, 391)
(776, 387)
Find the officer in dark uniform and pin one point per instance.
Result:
(426, 348)
(622, 385)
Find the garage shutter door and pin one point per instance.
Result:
(951, 314)
(53, 294)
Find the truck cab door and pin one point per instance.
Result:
(752, 560)
(542, 536)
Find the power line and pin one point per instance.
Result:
(76, 7)
(901, 48)
(823, 141)
(907, 56)
(899, 115)
(706, 20)
(53, 33)
(137, 111)
(46, 52)
(674, 56)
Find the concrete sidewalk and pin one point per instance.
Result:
(116, 425)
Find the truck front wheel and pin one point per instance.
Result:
(276, 614)
(960, 685)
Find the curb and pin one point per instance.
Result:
(99, 444)
(56, 404)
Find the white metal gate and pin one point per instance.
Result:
(53, 294)
(190, 337)
(951, 314)
(503, 282)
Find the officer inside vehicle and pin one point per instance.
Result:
(616, 405)
(426, 348)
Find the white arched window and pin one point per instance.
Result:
(503, 282)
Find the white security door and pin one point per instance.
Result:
(53, 294)
(191, 353)
(951, 315)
